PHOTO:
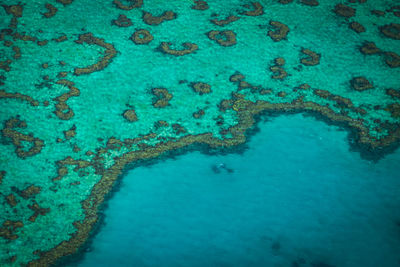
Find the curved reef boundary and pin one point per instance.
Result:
(247, 112)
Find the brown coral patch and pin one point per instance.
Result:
(200, 5)
(52, 10)
(309, 2)
(142, 36)
(225, 105)
(30, 100)
(37, 210)
(280, 32)
(62, 170)
(178, 129)
(224, 38)
(360, 84)
(277, 69)
(42, 43)
(5, 65)
(392, 59)
(162, 97)
(132, 4)
(188, 48)
(24, 37)
(282, 94)
(65, 2)
(264, 91)
(391, 30)
(225, 21)
(322, 93)
(159, 124)
(11, 200)
(357, 27)
(148, 18)
(122, 21)
(369, 48)
(313, 57)
(107, 58)
(344, 11)
(69, 134)
(28, 192)
(62, 38)
(114, 144)
(237, 77)
(394, 110)
(201, 88)
(8, 229)
(15, 10)
(284, 2)
(17, 138)
(17, 52)
(62, 74)
(130, 115)
(63, 111)
(393, 93)
(8, 43)
(279, 72)
(198, 114)
(279, 61)
(342, 102)
(378, 13)
(257, 10)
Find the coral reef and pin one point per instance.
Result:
(281, 31)
(122, 21)
(224, 38)
(162, 97)
(142, 36)
(148, 18)
(188, 48)
(201, 88)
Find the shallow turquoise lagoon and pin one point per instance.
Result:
(297, 196)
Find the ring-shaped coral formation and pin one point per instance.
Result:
(224, 38)
(142, 36)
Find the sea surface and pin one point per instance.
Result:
(296, 196)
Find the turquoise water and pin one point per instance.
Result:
(297, 196)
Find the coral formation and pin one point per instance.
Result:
(148, 18)
(108, 55)
(130, 115)
(201, 88)
(162, 97)
(142, 36)
(132, 4)
(313, 57)
(18, 138)
(224, 38)
(360, 84)
(122, 21)
(280, 32)
(188, 48)
(200, 5)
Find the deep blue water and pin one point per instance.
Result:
(296, 197)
